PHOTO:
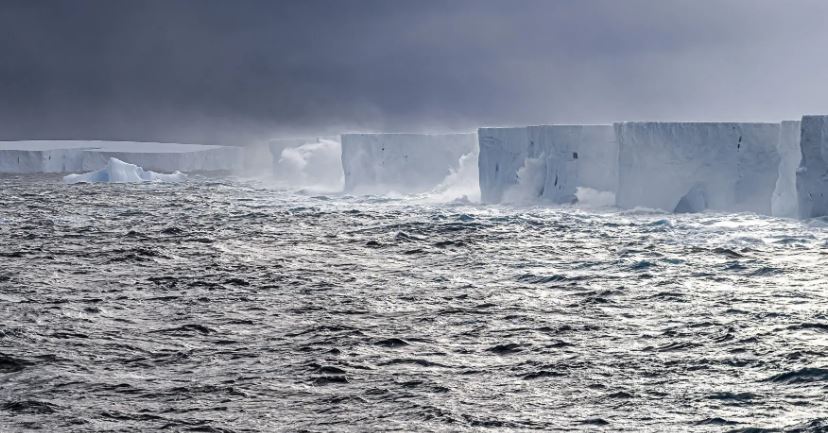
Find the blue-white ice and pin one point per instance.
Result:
(66, 156)
(693, 167)
(547, 163)
(117, 171)
(812, 176)
(784, 202)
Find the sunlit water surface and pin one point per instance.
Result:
(224, 305)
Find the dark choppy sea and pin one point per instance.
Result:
(226, 306)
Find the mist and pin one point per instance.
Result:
(217, 72)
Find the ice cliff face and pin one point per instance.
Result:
(61, 156)
(117, 171)
(691, 167)
(41, 156)
(402, 163)
(547, 163)
(812, 176)
(785, 202)
(503, 151)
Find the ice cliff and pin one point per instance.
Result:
(784, 202)
(402, 163)
(117, 171)
(62, 156)
(547, 163)
(812, 176)
(692, 167)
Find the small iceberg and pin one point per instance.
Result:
(117, 171)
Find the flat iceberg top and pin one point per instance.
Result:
(546, 125)
(107, 146)
(407, 134)
(117, 171)
(696, 123)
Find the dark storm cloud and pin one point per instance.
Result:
(234, 71)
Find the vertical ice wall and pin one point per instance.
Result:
(812, 176)
(503, 151)
(164, 157)
(785, 202)
(546, 163)
(61, 156)
(690, 167)
(402, 163)
(41, 156)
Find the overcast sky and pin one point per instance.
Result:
(235, 70)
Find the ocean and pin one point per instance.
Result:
(227, 305)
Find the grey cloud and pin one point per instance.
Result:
(236, 71)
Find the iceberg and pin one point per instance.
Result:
(547, 163)
(402, 163)
(785, 201)
(692, 167)
(117, 171)
(812, 175)
(503, 152)
(42, 156)
(62, 156)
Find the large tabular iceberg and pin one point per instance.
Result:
(61, 156)
(547, 163)
(691, 167)
(117, 171)
(403, 163)
(812, 176)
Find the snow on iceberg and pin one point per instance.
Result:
(812, 175)
(63, 156)
(402, 163)
(691, 167)
(117, 171)
(547, 163)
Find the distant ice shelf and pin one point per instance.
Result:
(63, 156)
(403, 163)
(117, 171)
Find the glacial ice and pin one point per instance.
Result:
(785, 202)
(691, 167)
(62, 156)
(117, 171)
(812, 175)
(402, 163)
(547, 163)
